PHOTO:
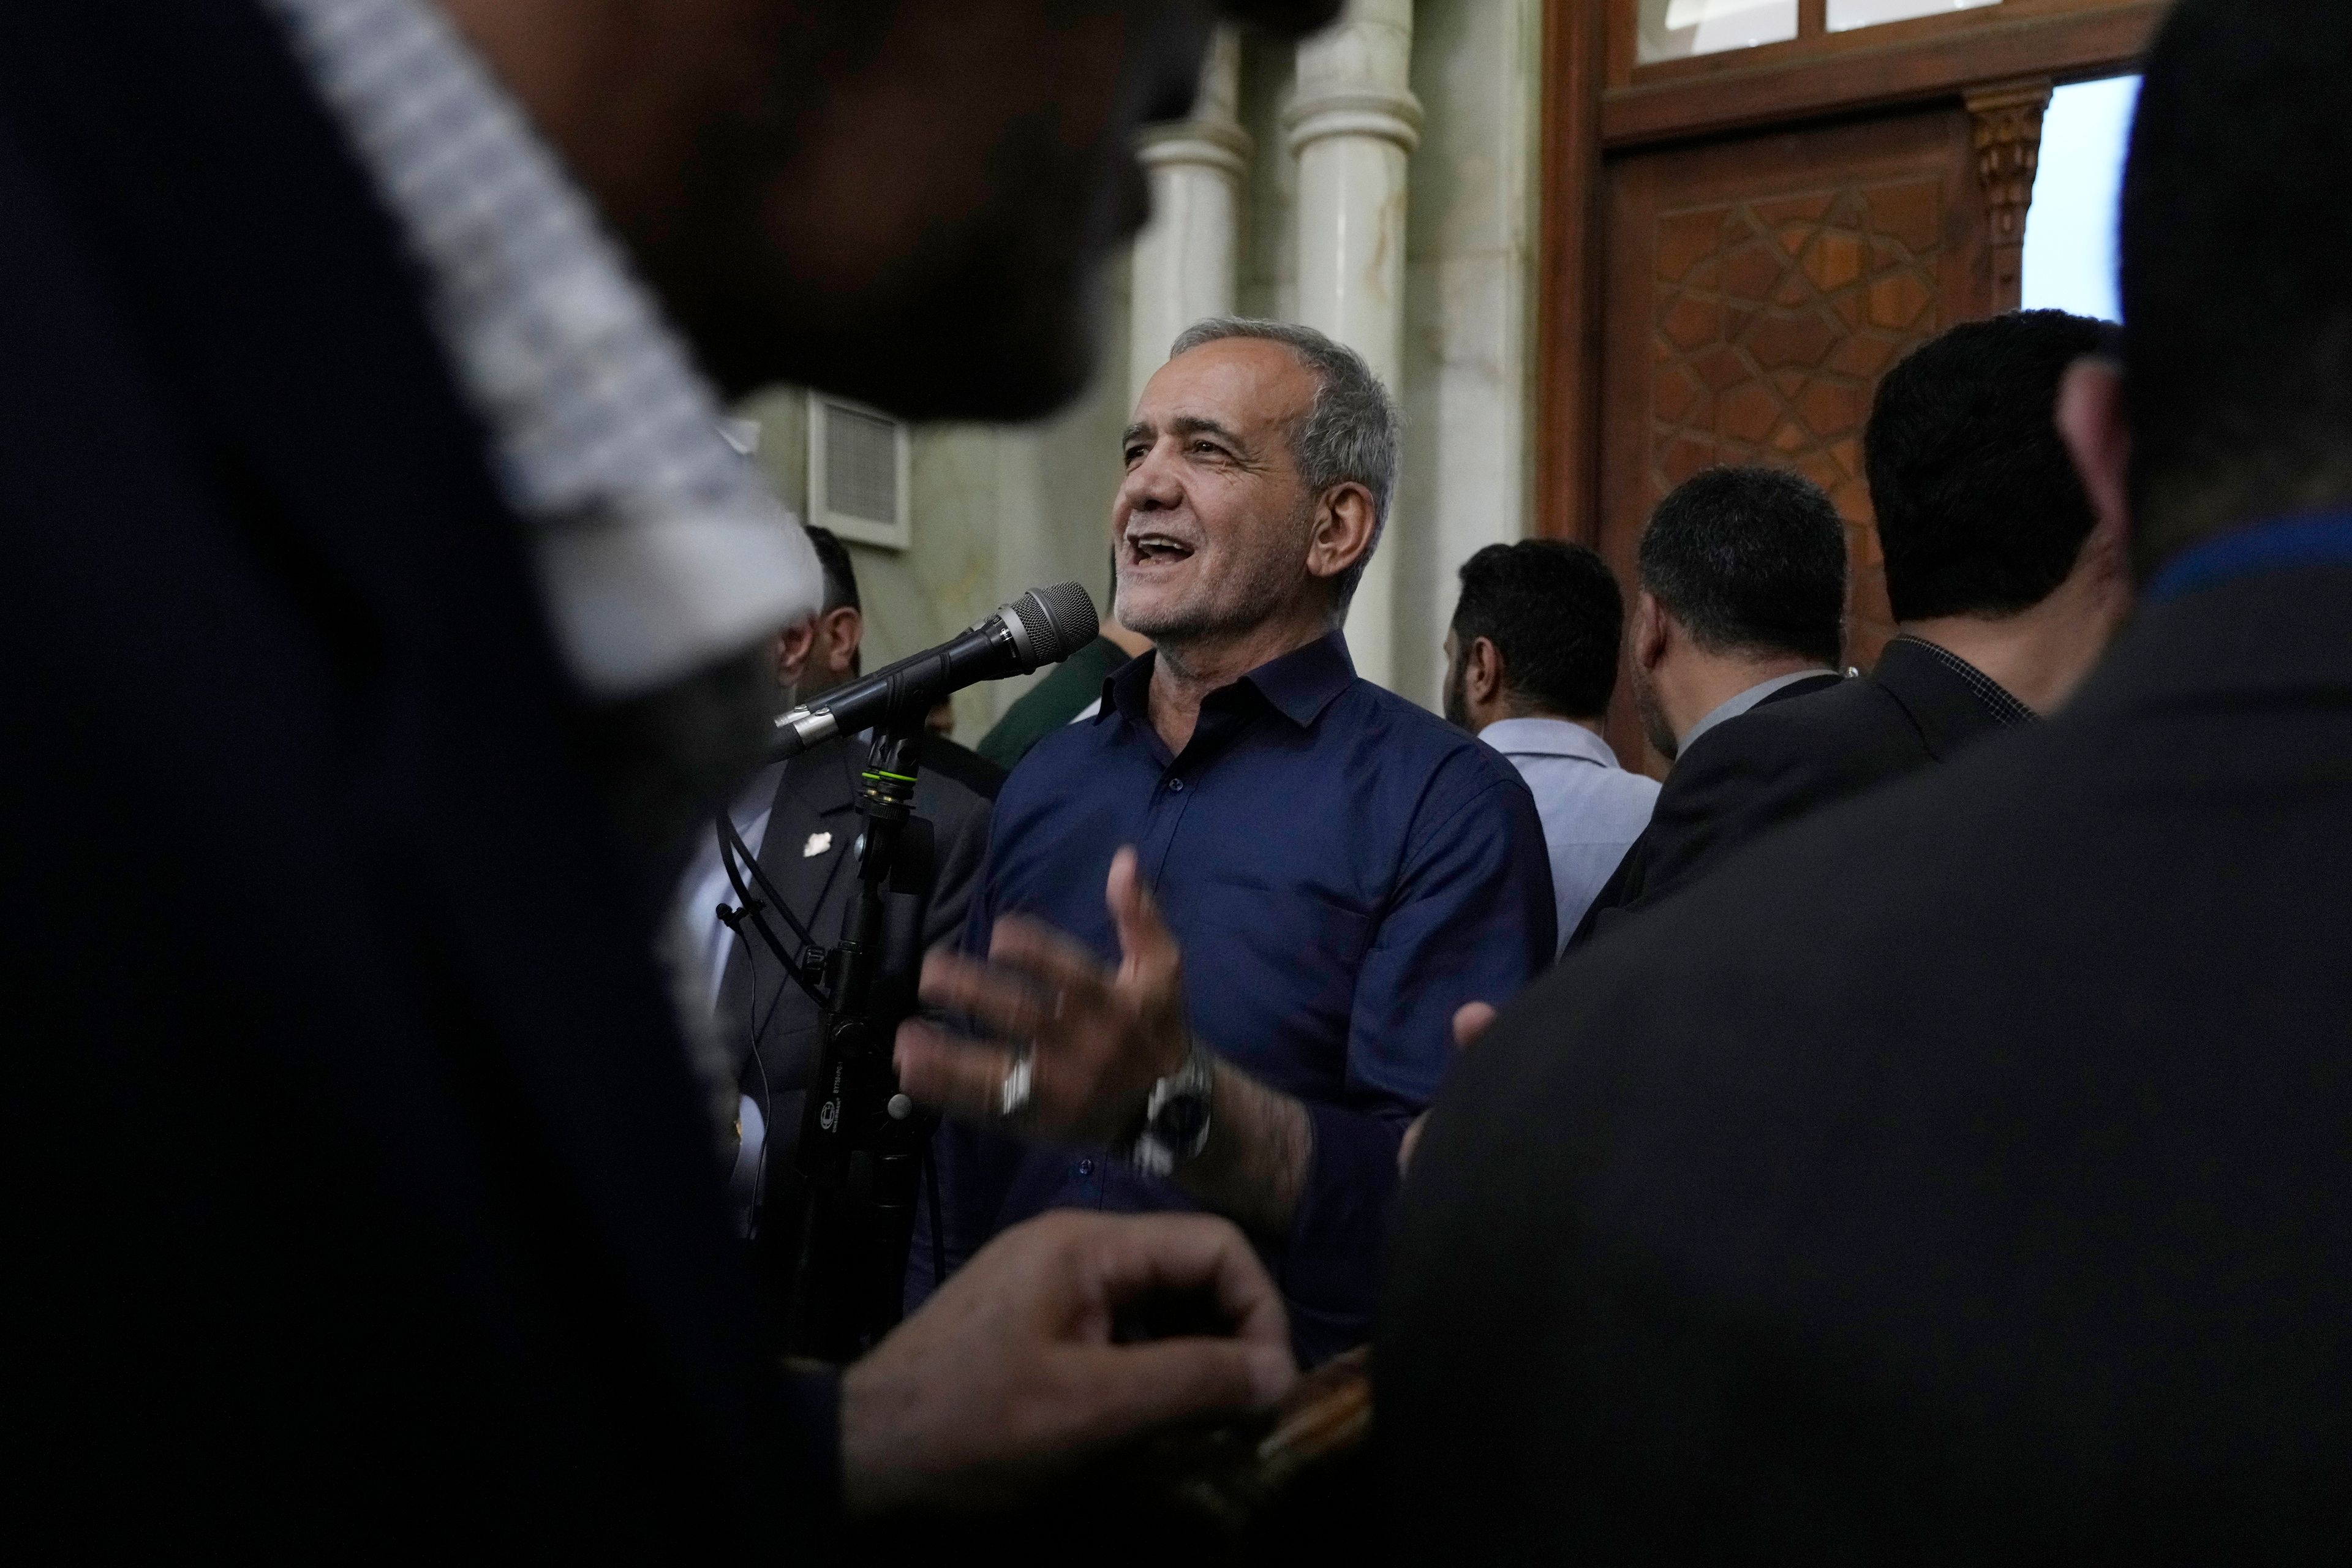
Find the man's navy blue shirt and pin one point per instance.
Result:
(1343, 868)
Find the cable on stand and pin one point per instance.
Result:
(862, 1142)
(864, 1145)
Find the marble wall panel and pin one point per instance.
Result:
(1469, 365)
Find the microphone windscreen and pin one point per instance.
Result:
(1063, 618)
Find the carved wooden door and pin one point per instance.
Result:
(1754, 292)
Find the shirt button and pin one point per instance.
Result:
(1085, 1167)
(1175, 787)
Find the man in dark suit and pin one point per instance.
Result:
(1740, 607)
(1962, 1174)
(815, 656)
(2003, 593)
(361, 1194)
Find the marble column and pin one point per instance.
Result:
(1186, 256)
(1353, 123)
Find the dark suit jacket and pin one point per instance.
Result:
(767, 1020)
(358, 1190)
(1960, 1176)
(1807, 746)
(1704, 785)
(947, 758)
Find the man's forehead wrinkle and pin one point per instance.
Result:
(1146, 427)
(1202, 424)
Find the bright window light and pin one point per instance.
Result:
(1678, 29)
(2070, 230)
(1847, 15)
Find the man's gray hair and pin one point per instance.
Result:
(1349, 432)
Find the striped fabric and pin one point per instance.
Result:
(1995, 697)
(658, 547)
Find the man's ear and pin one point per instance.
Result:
(844, 630)
(792, 645)
(1343, 529)
(2092, 422)
(1645, 635)
(1482, 671)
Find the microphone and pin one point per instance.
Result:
(1043, 626)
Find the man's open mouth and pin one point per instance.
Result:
(1147, 548)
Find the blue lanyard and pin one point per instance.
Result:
(2325, 540)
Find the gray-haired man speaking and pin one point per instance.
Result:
(1341, 869)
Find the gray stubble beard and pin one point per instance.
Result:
(1660, 734)
(1262, 593)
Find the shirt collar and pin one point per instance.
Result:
(1548, 738)
(1996, 698)
(1300, 685)
(1305, 681)
(1744, 702)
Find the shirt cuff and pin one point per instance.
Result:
(1339, 1237)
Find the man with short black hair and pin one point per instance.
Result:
(2003, 598)
(1741, 607)
(1960, 1176)
(1990, 568)
(1531, 665)
(816, 655)
(1742, 580)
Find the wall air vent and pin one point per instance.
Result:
(857, 467)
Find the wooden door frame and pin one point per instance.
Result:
(1596, 104)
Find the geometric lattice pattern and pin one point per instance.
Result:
(1774, 321)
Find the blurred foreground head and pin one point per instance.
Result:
(2237, 298)
(906, 201)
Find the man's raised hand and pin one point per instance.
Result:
(1074, 1045)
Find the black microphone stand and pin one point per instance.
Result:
(862, 1144)
(861, 1141)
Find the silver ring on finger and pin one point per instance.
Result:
(1012, 1096)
